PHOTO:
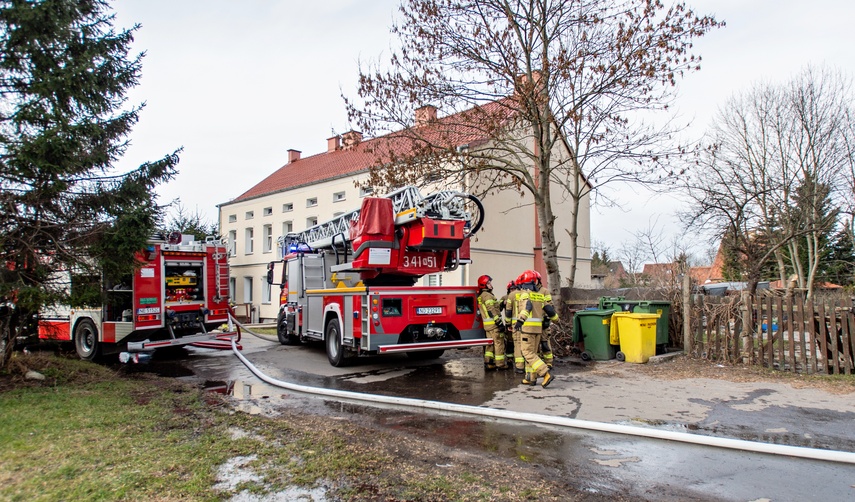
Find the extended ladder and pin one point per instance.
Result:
(408, 204)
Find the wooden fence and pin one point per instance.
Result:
(786, 333)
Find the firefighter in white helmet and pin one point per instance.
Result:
(532, 306)
(494, 356)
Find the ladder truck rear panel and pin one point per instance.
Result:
(178, 296)
(350, 282)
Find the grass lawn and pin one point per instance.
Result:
(92, 432)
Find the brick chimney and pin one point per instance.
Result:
(293, 155)
(350, 139)
(425, 115)
(523, 82)
(333, 143)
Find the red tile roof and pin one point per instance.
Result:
(457, 129)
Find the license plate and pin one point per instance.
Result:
(428, 310)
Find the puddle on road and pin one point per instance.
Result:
(526, 442)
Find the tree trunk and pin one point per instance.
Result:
(546, 221)
(687, 314)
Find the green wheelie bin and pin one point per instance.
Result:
(592, 327)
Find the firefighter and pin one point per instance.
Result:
(494, 357)
(531, 308)
(509, 313)
(545, 351)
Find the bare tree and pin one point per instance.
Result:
(544, 97)
(182, 220)
(765, 180)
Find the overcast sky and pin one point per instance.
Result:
(238, 83)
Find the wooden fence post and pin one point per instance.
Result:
(746, 327)
(687, 314)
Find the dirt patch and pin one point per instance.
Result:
(682, 367)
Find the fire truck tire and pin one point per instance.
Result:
(86, 340)
(477, 214)
(424, 355)
(285, 338)
(338, 355)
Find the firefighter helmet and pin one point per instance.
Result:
(483, 280)
(510, 286)
(538, 276)
(527, 277)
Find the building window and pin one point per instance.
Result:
(311, 221)
(268, 211)
(338, 197)
(433, 177)
(232, 286)
(248, 244)
(265, 291)
(433, 280)
(365, 191)
(287, 227)
(337, 214)
(288, 206)
(249, 215)
(232, 242)
(312, 202)
(247, 289)
(268, 238)
(232, 218)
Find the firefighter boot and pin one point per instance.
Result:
(489, 366)
(547, 379)
(530, 379)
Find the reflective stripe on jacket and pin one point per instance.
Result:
(489, 307)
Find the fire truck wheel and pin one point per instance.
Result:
(285, 338)
(338, 355)
(476, 211)
(86, 340)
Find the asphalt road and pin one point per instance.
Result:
(600, 463)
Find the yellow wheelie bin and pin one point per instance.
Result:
(636, 335)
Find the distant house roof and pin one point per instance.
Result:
(358, 156)
(659, 270)
(712, 273)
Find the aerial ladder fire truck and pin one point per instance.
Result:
(350, 282)
(179, 295)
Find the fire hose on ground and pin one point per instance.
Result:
(683, 437)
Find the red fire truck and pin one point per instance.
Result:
(350, 282)
(179, 296)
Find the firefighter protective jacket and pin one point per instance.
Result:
(489, 307)
(531, 307)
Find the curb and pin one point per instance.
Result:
(664, 357)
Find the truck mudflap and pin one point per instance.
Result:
(449, 344)
(221, 341)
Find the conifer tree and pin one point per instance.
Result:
(64, 122)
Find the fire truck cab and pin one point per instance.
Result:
(350, 282)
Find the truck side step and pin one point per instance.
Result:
(209, 340)
(449, 344)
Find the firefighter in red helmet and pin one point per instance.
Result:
(494, 357)
(513, 356)
(545, 347)
(532, 306)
